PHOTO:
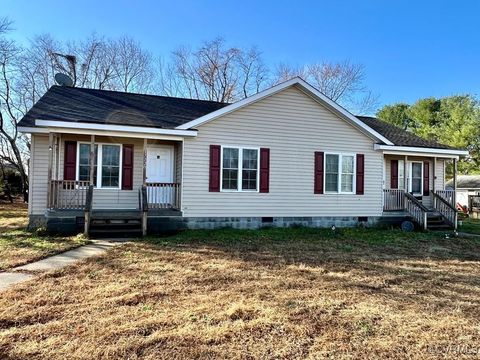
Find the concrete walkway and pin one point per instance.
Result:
(22, 273)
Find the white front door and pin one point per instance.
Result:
(159, 171)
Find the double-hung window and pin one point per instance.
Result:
(106, 167)
(240, 169)
(339, 173)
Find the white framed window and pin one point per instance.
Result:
(339, 172)
(416, 178)
(240, 168)
(107, 168)
(401, 174)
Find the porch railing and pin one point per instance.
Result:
(393, 200)
(447, 195)
(444, 207)
(67, 194)
(163, 195)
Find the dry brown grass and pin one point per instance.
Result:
(19, 246)
(270, 294)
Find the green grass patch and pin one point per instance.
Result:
(471, 226)
(20, 246)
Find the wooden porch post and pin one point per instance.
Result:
(49, 170)
(405, 177)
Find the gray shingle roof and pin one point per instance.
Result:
(399, 136)
(112, 107)
(466, 182)
(119, 108)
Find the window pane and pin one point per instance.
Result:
(249, 180)
(250, 159)
(230, 169)
(110, 166)
(249, 173)
(347, 164)
(331, 182)
(230, 158)
(416, 185)
(230, 179)
(347, 182)
(331, 172)
(331, 164)
(84, 163)
(416, 170)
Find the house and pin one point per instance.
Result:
(106, 161)
(467, 187)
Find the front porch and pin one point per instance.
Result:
(113, 184)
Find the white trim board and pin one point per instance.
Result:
(305, 87)
(408, 150)
(110, 127)
(103, 133)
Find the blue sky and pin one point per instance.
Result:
(410, 49)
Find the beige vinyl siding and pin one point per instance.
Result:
(293, 126)
(38, 175)
(439, 173)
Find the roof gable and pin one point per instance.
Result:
(304, 87)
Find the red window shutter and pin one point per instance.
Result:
(70, 161)
(214, 182)
(264, 170)
(426, 178)
(360, 174)
(394, 174)
(127, 167)
(318, 172)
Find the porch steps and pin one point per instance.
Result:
(435, 221)
(117, 223)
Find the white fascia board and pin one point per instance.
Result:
(410, 150)
(277, 88)
(115, 134)
(32, 130)
(114, 128)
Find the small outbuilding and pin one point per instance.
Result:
(467, 186)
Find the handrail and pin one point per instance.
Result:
(446, 210)
(416, 209)
(415, 200)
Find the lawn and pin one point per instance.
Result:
(274, 293)
(471, 226)
(19, 246)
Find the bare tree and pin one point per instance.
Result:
(132, 65)
(343, 82)
(214, 72)
(10, 110)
